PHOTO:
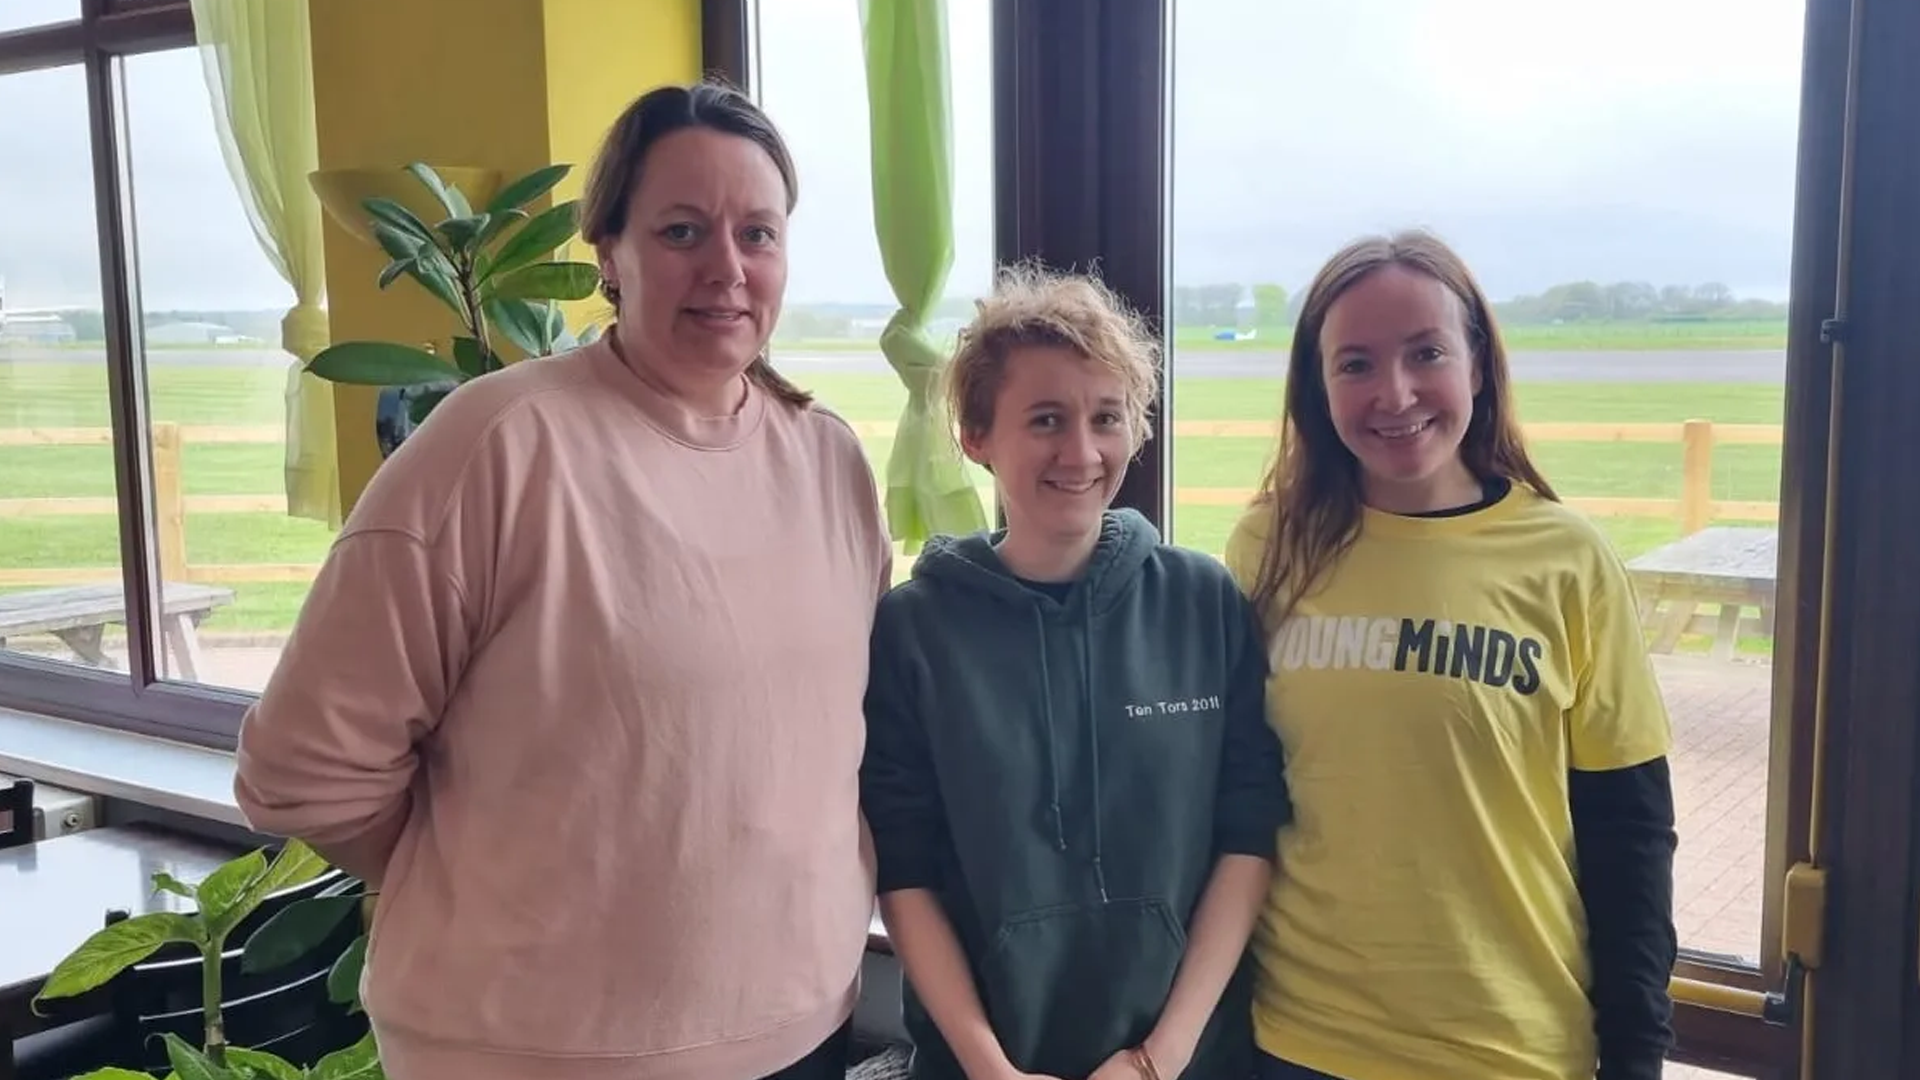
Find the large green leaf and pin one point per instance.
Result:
(393, 270)
(498, 222)
(463, 233)
(189, 1063)
(296, 864)
(473, 359)
(224, 890)
(523, 322)
(399, 244)
(264, 1065)
(165, 882)
(437, 276)
(115, 948)
(449, 195)
(393, 215)
(361, 1061)
(527, 188)
(546, 281)
(295, 930)
(381, 363)
(343, 980)
(114, 1073)
(534, 241)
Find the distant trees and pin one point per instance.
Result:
(1269, 306)
(1207, 305)
(1636, 301)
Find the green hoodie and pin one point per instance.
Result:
(1063, 767)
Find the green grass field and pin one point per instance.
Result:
(1578, 337)
(48, 395)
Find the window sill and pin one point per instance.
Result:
(114, 764)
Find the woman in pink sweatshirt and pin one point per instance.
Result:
(579, 686)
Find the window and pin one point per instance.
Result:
(813, 84)
(233, 566)
(78, 561)
(1639, 268)
(23, 14)
(60, 581)
(1626, 196)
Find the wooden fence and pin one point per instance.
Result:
(1694, 507)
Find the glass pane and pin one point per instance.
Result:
(60, 587)
(1626, 198)
(813, 84)
(26, 14)
(235, 565)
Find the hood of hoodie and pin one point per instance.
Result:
(1126, 541)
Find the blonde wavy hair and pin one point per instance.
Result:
(1034, 307)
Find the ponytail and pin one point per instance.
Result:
(776, 384)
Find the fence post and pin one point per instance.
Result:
(169, 503)
(1696, 476)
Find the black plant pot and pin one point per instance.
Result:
(401, 409)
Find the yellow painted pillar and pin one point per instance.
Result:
(506, 85)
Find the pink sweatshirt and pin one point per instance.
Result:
(605, 660)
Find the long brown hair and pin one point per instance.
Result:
(1312, 490)
(652, 116)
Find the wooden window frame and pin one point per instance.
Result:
(1866, 991)
(137, 700)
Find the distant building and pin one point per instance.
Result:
(189, 333)
(35, 330)
(31, 327)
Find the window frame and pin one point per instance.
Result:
(1083, 175)
(137, 699)
(1866, 1012)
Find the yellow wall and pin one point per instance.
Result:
(509, 85)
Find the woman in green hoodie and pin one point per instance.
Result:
(1071, 783)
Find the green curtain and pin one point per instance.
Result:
(929, 490)
(259, 66)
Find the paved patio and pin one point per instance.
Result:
(1721, 711)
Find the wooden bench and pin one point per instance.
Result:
(79, 614)
(1729, 566)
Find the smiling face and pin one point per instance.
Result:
(1401, 376)
(701, 264)
(1058, 445)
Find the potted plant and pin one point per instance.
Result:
(224, 901)
(493, 267)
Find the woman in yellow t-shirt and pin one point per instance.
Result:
(1478, 879)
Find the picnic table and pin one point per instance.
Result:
(1732, 567)
(79, 614)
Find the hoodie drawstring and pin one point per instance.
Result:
(1053, 756)
(1093, 737)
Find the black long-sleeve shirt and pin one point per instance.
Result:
(1623, 834)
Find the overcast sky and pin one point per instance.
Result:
(1551, 141)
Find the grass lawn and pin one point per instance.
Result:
(1571, 337)
(48, 395)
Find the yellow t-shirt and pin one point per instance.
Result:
(1431, 694)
